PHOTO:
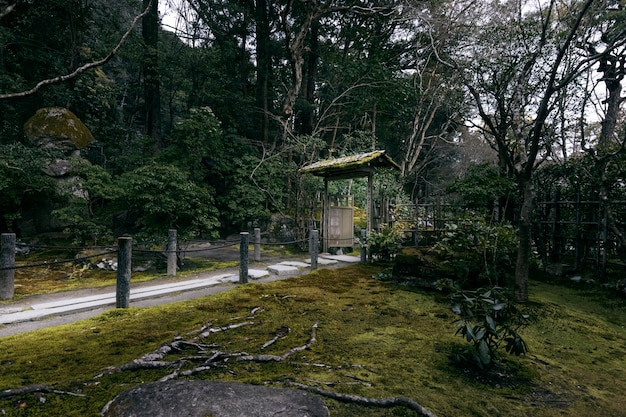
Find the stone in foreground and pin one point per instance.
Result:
(281, 270)
(217, 399)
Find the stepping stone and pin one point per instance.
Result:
(297, 264)
(343, 258)
(9, 310)
(256, 273)
(230, 278)
(282, 269)
(324, 261)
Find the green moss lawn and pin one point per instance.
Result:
(374, 339)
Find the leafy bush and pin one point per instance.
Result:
(488, 319)
(473, 244)
(161, 197)
(87, 212)
(21, 177)
(383, 245)
(481, 186)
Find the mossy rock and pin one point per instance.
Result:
(57, 128)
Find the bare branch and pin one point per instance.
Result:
(83, 68)
(6, 9)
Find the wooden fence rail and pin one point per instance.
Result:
(577, 231)
(124, 261)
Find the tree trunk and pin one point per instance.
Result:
(263, 65)
(614, 70)
(152, 93)
(524, 250)
(307, 115)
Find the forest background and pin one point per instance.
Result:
(203, 126)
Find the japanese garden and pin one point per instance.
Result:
(470, 154)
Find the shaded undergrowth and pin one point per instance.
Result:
(374, 340)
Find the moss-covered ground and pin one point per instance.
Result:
(63, 274)
(377, 340)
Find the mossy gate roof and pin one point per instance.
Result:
(353, 166)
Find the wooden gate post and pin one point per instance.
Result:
(124, 256)
(7, 266)
(243, 257)
(171, 252)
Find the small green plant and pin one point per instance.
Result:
(487, 320)
(383, 276)
(384, 245)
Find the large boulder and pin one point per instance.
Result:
(216, 399)
(57, 128)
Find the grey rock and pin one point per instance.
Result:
(58, 168)
(217, 399)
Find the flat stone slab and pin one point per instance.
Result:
(257, 273)
(296, 264)
(342, 258)
(217, 399)
(324, 261)
(279, 269)
(10, 310)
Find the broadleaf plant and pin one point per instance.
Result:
(487, 320)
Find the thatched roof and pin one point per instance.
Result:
(353, 166)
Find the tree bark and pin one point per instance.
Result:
(307, 115)
(263, 68)
(152, 89)
(524, 249)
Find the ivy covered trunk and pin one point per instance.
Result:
(522, 265)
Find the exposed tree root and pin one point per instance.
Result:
(155, 359)
(33, 389)
(280, 334)
(207, 358)
(275, 358)
(368, 402)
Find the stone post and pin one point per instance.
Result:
(313, 247)
(257, 244)
(243, 257)
(124, 262)
(7, 266)
(171, 252)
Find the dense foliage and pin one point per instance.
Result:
(235, 97)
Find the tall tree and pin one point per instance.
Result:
(606, 39)
(514, 63)
(263, 67)
(152, 85)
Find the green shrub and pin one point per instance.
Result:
(383, 245)
(476, 247)
(487, 320)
